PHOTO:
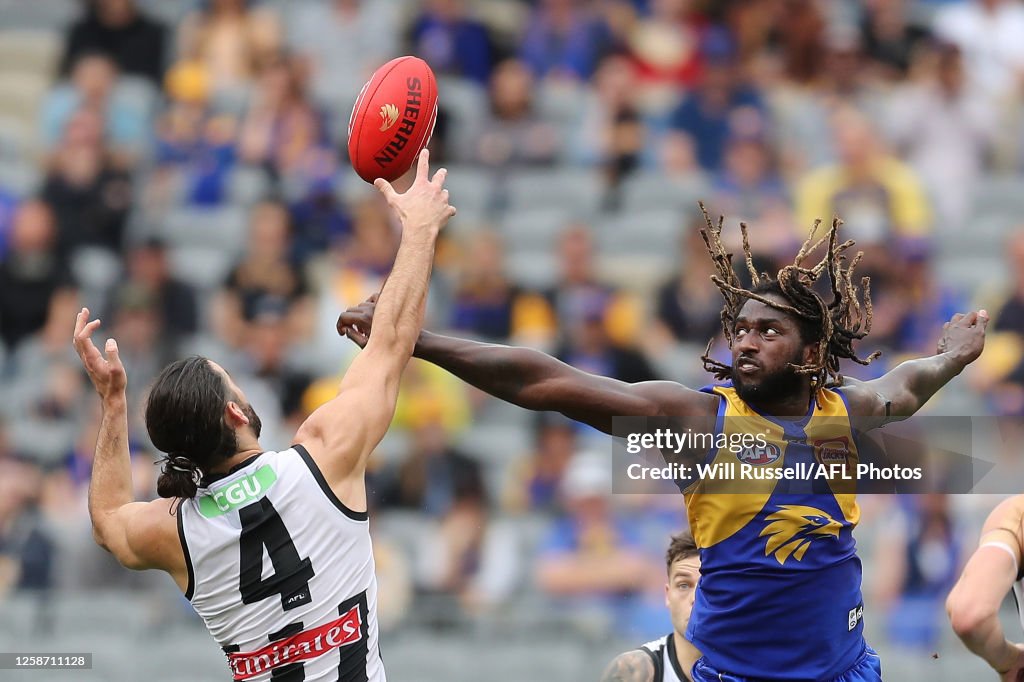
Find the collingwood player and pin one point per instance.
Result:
(996, 567)
(271, 548)
(666, 659)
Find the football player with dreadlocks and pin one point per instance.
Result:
(780, 587)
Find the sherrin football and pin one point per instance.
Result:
(393, 119)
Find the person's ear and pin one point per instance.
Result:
(235, 415)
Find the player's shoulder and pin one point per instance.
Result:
(635, 665)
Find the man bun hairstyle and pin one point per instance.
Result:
(185, 419)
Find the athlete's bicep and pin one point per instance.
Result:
(632, 666)
(596, 400)
(993, 568)
(341, 434)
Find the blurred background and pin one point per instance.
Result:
(179, 167)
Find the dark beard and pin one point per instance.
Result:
(254, 419)
(773, 387)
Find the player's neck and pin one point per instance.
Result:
(236, 459)
(686, 653)
(791, 407)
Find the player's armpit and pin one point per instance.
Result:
(632, 666)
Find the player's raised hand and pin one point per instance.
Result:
(107, 374)
(425, 205)
(963, 337)
(355, 323)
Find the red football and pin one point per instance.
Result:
(393, 119)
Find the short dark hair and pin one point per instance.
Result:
(185, 419)
(682, 546)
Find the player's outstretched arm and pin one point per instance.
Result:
(537, 381)
(341, 434)
(632, 666)
(973, 604)
(905, 389)
(139, 534)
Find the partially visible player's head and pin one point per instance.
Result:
(682, 561)
(782, 333)
(195, 414)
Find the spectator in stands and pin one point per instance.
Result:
(536, 479)
(514, 134)
(484, 299)
(345, 41)
(232, 40)
(265, 273)
(194, 145)
(564, 39)
(945, 130)
(434, 477)
(45, 419)
(118, 29)
(749, 186)
(704, 116)
(267, 358)
(37, 291)
(27, 550)
(283, 131)
(687, 310)
(451, 41)
(174, 301)
(665, 44)
(917, 563)
(610, 133)
(592, 561)
(89, 194)
(589, 347)
(889, 37)
(879, 198)
(1010, 314)
(579, 295)
(93, 88)
(990, 34)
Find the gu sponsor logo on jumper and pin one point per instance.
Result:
(303, 646)
(413, 100)
(760, 455)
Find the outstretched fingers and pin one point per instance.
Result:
(423, 167)
(387, 190)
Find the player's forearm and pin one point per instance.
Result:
(512, 374)
(400, 308)
(985, 639)
(111, 484)
(918, 380)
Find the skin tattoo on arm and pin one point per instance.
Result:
(632, 666)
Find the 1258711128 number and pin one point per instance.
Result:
(37, 661)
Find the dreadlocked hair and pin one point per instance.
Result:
(834, 326)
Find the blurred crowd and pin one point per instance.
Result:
(184, 174)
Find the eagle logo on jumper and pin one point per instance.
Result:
(793, 528)
(388, 116)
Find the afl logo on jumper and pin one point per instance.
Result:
(760, 455)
